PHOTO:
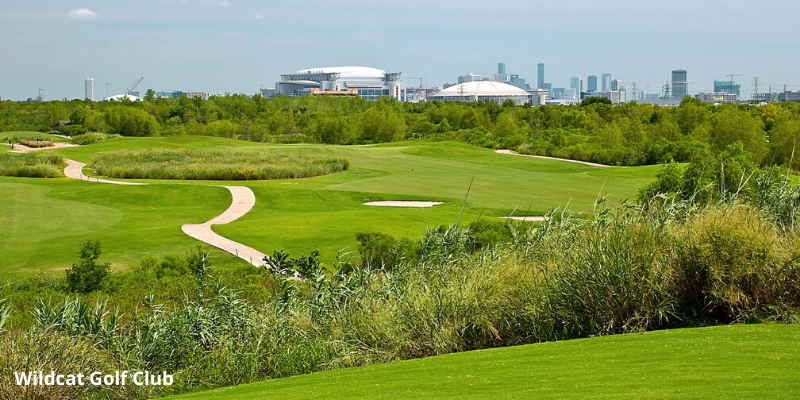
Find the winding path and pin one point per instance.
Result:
(74, 170)
(243, 201)
(509, 152)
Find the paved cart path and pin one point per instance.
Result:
(243, 202)
(74, 170)
(554, 158)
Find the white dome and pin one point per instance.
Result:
(120, 97)
(481, 88)
(346, 72)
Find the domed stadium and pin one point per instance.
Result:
(470, 92)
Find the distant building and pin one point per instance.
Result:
(501, 73)
(268, 93)
(89, 89)
(371, 83)
(471, 92)
(539, 96)
(772, 97)
(605, 84)
(469, 78)
(789, 96)
(616, 85)
(717, 97)
(576, 84)
(729, 87)
(591, 83)
(177, 94)
(680, 86)
(515, 80)
(541, 76)
(616, 96)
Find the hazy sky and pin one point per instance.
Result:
(238, 46)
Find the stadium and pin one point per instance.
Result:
(369, 83)
(470, 92)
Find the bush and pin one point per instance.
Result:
(212, 165)
(88, 275)
(88, 138)
(31, 165)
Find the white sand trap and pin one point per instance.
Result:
(509, 152)
(404, 203)
(528, 218)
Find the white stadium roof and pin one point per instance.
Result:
(120, 97)
(347, 72)
(481, 88)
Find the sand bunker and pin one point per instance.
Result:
(404, 203)
(528, 218)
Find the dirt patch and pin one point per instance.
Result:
(404, 203)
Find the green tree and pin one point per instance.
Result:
(88, 275)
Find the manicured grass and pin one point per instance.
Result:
(322, 212)
(725, 362)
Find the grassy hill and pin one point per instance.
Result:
(725, 362)
(45, 220)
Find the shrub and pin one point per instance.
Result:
(87, 275)
(212, 165)
(88, 138)
(31, 165)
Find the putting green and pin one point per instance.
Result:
(45, 220)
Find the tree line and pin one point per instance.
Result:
(626, 134)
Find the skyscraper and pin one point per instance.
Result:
(541, 76)
(591, 83)
(89, 87)
(606, 84)
(616, 84)
(575, 83)
(680, 86)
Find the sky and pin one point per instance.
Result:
(240, 46)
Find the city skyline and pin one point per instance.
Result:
(239, 46)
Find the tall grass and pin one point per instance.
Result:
(627, 269)
(31, 165)
(212, 165)
(36, 144)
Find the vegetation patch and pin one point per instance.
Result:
(90, 138)
(36, 144)
(228, 165)
(31, 165)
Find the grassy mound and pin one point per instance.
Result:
(742, 362)
(31, 165)
(36, 144)
(221, 165)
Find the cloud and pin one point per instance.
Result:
(82, 13)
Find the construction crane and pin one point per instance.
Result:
(128, 91)
(422, 92)
(731, 76)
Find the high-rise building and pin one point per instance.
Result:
(606, 81)
(730, 87)
(501, 73)
(680, 86)
(591, 83)
(89, 88)
(515, 80)
(541, 76)
(616, 85)
(575, 83)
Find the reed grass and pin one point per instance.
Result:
(36, 144)
(228, 165)
(31, 165)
